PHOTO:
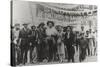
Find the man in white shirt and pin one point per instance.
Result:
(50, 39)
(24, 42)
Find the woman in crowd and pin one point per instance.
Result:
(95, 42)
(91, 43)
(60, 44)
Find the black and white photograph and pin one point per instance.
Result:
(52, 33)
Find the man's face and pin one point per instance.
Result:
(25, 26)
(59, 28)
(33, 28)
(68, 29)
(87, 32)
(82, 28)
(77, 33)
(90, 30)
(17, 27)
(50, 25)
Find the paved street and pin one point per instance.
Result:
(76, 57)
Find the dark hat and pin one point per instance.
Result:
(33, 26)
(41, 24)
(68, 27)
(16, 24)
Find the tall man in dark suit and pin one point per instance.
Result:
(24, 42)
(69, 41)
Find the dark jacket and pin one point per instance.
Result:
(24, 36)
(83, 43)
(69, 41)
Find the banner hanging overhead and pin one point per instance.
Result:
(50, 12)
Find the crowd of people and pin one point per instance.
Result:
(50, 42)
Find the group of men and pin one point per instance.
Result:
(50, 42)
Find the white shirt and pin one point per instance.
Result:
(82, 31)
(68, 35)
(16, 35)
(51, 31)
(90, 35)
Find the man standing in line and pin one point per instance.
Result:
(33, 38)
(87, 37)
(83, 43)
(82, 29)
(15, 50)
(51, 33)
(16, 40)
(69, 41)
(24, 42)
(41, 48)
